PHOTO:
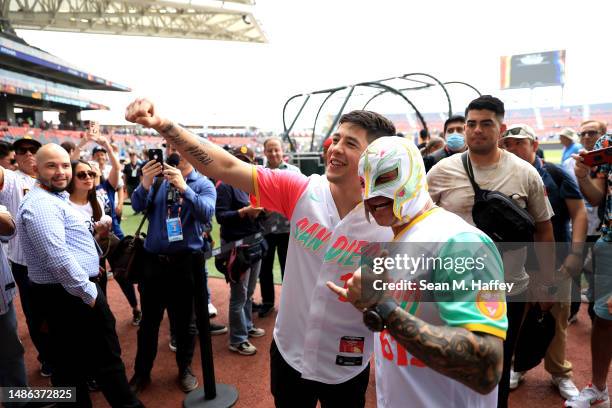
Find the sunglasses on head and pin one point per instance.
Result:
(82, 175)
(24, 150)
(590, 133)
(515, 132)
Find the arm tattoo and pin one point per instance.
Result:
(172, 133)
(473, 359)
(199, 154)
(195, 152)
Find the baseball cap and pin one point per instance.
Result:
(26, 140)
(570, 134)
(520, 131)
(244, 153)
(98, 149)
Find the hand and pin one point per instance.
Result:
(149, 171)
(142, 111)
(174, 177)
(610, 305)
(581, 170)
(101, 228)
(352, 292)
(251, 212)
(572, 265)
(119, 210)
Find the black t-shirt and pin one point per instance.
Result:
(132, 174)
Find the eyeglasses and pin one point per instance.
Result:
(24, 150)
(589, 133)
(82, 175)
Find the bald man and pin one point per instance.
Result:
(62, 259)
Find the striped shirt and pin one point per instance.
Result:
(8, 289)
(16, 185)
(58, 246)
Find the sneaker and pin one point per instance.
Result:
(590, 397)
(566, 387)
(172, 343)
(212, 310)
(138, 383)
(136, 317)
(266, 309)
(257, 332)
(217, 329)
(187, 381)
(245, 348)
(45, 369)
(516, 377)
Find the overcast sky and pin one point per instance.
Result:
(317, 44)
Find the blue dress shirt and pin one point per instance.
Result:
(196, 209)
(57, 244)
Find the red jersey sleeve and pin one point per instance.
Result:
(277, 190)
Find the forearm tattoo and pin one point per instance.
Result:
(473, 359)
(195, 152)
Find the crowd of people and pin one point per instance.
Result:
(63, 206)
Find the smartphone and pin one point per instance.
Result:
(597, 157)
(157, 155)
(94, 128)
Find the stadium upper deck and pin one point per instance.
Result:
(33, 81)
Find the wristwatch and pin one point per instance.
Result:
(375, 318)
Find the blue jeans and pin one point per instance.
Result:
(12, 366)
(240, 305)
(602, 288)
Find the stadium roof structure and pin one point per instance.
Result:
(229, 20)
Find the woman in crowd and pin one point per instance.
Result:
(105, 189)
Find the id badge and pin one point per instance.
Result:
(175, 230)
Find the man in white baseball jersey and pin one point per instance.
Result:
(440, 348)
(321, 349)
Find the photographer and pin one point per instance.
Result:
(238, 220)
(180, 201)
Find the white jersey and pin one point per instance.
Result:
(16, 185)
(402, 380)
(317, 333)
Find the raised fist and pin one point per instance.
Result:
(142, 111)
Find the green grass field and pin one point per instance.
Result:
(130, 223)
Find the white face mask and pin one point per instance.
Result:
(409, 189)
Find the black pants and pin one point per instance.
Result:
(290, 390)
(83, 344)
(34, 320)
(515, 311)
(167, 282)
(275, 242)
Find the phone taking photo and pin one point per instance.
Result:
(597, 157)
(157, 155)
(94, 129)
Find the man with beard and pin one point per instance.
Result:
(63, 267)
